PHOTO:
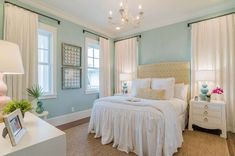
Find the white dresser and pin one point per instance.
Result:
(40, 139)
(209, 115)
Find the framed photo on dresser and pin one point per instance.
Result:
(14, 126)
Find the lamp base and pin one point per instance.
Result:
(3, 98)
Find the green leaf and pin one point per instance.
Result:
(23, 105)
(35, 91)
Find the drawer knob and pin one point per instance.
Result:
(205, 119)
(205, 113)
(206, 107)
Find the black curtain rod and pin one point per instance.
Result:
(94, 34)
(127, 38)
(189, 24)
(58, 21)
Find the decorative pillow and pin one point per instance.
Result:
(139, 83)
(181, 91)
(164, 83)
(147, 93)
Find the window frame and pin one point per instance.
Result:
(53, 59)
(94, 43)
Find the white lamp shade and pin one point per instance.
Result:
(10, 58)
(205, 75)
(125, 77)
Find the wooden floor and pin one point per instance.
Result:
(66, 127)
(231, 143)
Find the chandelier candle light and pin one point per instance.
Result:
(126, 18)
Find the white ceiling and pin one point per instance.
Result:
(93, 13)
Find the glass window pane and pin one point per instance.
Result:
(43, 41)
(96, 53)
(90, 52)
(90, 62)
(93, 78)
(44, 77)
(43, 56)
(96, 63)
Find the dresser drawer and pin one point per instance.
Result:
(205, 120)
(207, 112)
(211, 107)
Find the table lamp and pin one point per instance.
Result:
(204, 76)
(124, 77)
(10, 63)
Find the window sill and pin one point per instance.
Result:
(92, 92)
(54, 96)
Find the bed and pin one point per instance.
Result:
(146, 127)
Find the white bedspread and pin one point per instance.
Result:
(148, 127)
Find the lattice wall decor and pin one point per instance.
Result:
(71, 55)
(71, 78)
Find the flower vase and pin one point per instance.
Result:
(39, 108)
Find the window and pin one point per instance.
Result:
(92, 64)
(47, 60)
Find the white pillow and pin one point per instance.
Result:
(138, 84)
(166, 84)
(181, 91)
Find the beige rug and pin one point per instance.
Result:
(79, 143)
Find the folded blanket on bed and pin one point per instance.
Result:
(146, 127)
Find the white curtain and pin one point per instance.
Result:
(105, 68)
(213, 48)
(20, 27)
(126, 60)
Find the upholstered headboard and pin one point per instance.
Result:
(179, 70)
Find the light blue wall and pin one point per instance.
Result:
(71, 33)
(168, 43)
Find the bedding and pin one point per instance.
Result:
(138, 84)
(181, 91)
(166, 84)
(146, 127)
(179, 105)
(147, 93)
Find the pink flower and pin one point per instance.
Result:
(217, 90)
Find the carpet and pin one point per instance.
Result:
(79, 143)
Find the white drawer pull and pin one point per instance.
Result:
(205, 119)
(205, 113)
(206, 107)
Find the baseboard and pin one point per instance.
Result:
(67, 118)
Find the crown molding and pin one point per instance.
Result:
(186, 18)
(62, 14)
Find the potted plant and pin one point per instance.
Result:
(36, 92)
(23, 105)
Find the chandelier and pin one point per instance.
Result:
(125, 18)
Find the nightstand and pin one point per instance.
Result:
(209, 115)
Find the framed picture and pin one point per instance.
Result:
(71, 78)
(71, 55)
(15, 126)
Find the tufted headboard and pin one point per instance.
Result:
(179, 70)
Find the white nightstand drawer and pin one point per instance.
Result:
(209, 115)
(205, 120)
(212, 107)
(207, 112)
